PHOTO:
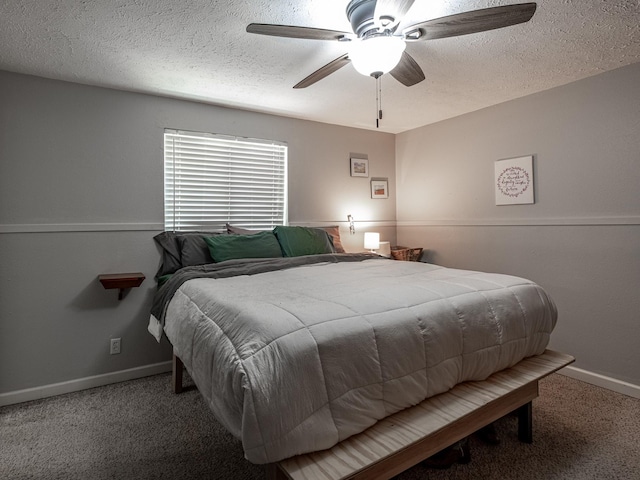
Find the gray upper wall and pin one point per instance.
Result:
(81, 193)
(581, 238)
(78, 154)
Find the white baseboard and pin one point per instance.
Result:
(45, 391)
(601, 381)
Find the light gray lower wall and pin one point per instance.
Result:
(81, 193)
(581, 238)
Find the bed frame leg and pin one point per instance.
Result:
(176, 377)
(525, 423)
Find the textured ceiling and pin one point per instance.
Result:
(199, 50)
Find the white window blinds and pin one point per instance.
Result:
(213, 179)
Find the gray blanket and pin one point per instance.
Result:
(297, 359)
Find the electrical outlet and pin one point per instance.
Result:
(115, 346)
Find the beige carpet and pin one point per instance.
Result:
(140, 430)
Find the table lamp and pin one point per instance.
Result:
(371, 241)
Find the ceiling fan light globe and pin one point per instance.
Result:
(379, 54)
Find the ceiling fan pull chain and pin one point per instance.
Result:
(378, 100)
(380, 95)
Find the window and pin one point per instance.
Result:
(210, 180)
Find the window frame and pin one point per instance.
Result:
(212, 179)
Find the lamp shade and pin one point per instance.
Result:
(371, 240)
(378, 54)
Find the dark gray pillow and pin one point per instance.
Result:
(171, 249)
(194, 250)
(334, 233)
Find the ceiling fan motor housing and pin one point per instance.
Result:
(360, 13)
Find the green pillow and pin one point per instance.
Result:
(297, 241)
(229, 247)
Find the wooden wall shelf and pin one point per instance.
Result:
(121, 281)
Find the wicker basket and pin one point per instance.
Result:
(407, 254)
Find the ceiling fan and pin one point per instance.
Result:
(376, 46)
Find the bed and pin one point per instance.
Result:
(296, 354)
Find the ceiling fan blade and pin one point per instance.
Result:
(471, 22)
(290, 31)
(325, 71)
(389, 13)
(407, 72)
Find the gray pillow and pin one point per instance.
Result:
(232, 229)
(334, 233)
(194, 250)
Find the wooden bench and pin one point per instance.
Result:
(404, 439)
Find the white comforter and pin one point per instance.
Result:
(296, 360)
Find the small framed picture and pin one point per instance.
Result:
(514, 181)
(380, 188)
(359, 167)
